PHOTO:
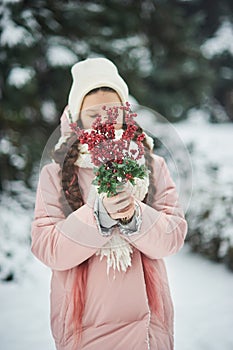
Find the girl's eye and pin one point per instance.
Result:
(94, 116)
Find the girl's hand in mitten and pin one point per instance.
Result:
(121, 205)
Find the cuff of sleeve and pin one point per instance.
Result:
(104, 222)
(133, 227)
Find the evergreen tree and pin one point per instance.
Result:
(155, 44)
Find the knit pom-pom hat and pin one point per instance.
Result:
(91, 74)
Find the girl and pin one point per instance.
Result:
(109, 287)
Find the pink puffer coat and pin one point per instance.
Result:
(117, 314)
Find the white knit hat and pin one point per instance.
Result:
(90, 74)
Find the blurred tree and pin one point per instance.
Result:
(157, 46)
(216, 36)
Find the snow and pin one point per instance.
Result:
(18, 76)
(5, 146)
(48, 111)
(213, 140)
(18, 161)
(60, 56)
(10, 1)
(31, 22)
(201, 293)
(15, 226)
(121, 45)
(12, 34)
(222, 41)
(94, 7)
(212, 181)
(24, 322)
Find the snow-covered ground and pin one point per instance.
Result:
(202, 295)
(201, 292)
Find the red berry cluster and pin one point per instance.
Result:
(101, 141)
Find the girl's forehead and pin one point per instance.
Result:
(99, 107)
(100, 98)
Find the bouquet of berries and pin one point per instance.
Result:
(115, 158)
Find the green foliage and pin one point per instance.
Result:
(109, 176)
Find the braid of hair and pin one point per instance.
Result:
(149, 198)
(70, 196)
(71, 199)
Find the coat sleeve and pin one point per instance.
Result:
(59, 242)
(163, 226)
